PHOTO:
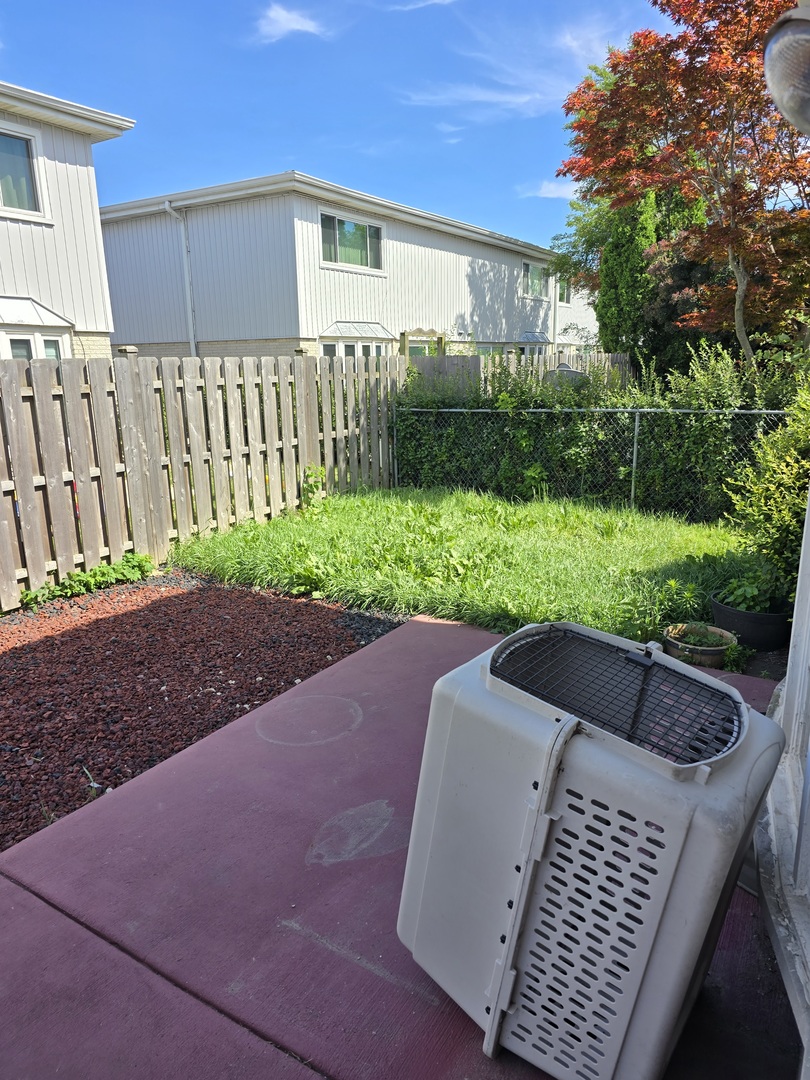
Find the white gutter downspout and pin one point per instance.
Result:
(555, 302)
(192, 332)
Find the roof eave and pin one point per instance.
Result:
(302, 184)
(32, 105)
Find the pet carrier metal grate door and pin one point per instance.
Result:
(582, 800)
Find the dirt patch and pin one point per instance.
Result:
(97, 689)
(769, 665)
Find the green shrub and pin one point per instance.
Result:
(131, 567)
(769, 494)
(514, 452)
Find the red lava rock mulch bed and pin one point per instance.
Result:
(115, 681)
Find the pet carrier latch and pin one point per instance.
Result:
(532, 844)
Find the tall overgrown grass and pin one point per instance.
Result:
(478, 559)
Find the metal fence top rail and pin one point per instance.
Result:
(666, 412)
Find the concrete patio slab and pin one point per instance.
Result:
(259, 873)
(76, 1007)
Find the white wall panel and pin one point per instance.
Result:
(60, 262)
(243, 269)
(145, 267)
(430, 279)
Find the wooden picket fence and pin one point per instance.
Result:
(101, 457)
(545, 362)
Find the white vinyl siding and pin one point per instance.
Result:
(431, 280)
(59, 260)
(242, 273)
(145, 266)
(243, 260)
(259, 275)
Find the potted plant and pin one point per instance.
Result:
(698, 643)
(754, 606)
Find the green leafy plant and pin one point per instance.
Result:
(312, 486)
(770, 493)
(738, 657)
(698, 634)
(476, 558)
(761, 587)
(130, 568)
(93, 785)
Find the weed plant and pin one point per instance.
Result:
(130, 568)
(478, 559)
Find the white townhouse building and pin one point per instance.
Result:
(289, 262)
(54, 299)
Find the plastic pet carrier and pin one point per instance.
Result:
(584, 806)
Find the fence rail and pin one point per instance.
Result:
(662, 460)
(101, 457)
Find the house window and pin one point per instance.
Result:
(17, 188)
(352, 349)
(33, 346)
(351, 242)
(565, 292)
(535, 280)
(21, 349)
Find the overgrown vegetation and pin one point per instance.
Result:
(770, 497)
(479, 559)
(132, 567)
(516, 453)
(688, 112)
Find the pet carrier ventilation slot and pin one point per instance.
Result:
(583, 808)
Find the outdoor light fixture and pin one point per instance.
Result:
(787, 66)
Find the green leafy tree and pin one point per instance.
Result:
(625, 286)
(578, 252)
(690, 112)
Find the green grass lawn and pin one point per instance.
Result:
(478, 559)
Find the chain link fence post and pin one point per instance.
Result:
(635, 460)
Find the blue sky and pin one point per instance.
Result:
(451, 106)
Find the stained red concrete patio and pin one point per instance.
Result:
(232, 911)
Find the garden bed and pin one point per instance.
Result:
(97, 689)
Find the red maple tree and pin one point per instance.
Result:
(690, 111)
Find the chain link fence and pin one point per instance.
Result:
(675, 461)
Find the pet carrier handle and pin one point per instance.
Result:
(532, 844)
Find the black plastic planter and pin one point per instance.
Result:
(760, 630)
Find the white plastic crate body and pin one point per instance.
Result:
(494, 812)
(475, 791)
(612, 942)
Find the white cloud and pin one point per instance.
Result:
(279, 21)
(448, 129)
(548, 189)
(523, 69)
(587, 42)
(419, 4)
(528, 100)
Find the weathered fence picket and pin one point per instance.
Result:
(102, 457)
(105, 427)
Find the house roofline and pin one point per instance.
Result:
(66, 114)
(301, 184)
